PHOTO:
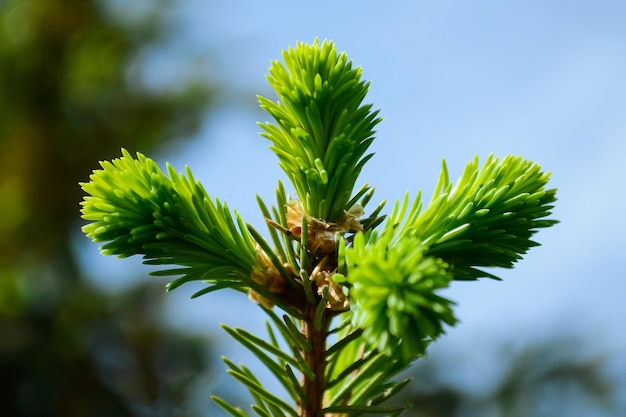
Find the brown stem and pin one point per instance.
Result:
(316, 361)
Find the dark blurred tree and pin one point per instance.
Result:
(556, 377)
(71, 93)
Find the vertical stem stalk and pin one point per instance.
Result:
(316, 361)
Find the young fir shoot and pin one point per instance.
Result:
(359, 293)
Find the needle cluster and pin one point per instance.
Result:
(359, 290)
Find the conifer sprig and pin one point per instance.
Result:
(488, 218)
(322, 130)
(393, 294)
(138, 210)
(361, 296)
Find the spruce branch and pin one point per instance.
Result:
(138, 210)
(360, 293)
(393, 294)
(321, 131)
(487, 219)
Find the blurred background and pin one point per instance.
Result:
(85, 335)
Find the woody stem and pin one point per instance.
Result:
(315, 359)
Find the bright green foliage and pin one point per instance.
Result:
(137, 209)
(373, 284)
(322, 130)
(393, 294)
(487, 219)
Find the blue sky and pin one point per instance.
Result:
(453, 79)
